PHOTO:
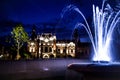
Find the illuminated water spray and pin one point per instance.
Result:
(105, 20)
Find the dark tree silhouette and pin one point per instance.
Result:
(33, 33)
(76, 40)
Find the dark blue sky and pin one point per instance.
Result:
(31, 11)
(35, 11)
(43, 11)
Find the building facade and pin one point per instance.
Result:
(46, 46)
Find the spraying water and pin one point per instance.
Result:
(105, 20)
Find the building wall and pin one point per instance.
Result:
(66, 49)
(45, 46)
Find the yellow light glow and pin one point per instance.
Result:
(46, 56)
(67, 51)
(61, 51)
(63, 44)
(58, 44)
(32, 43)
(34, 49)
(51, 38)
(30, 49)
(54, 37)
(48, 43)
(71, 44)
(41, 38)
(46, 40)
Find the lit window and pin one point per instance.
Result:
(67, 51)
(70, 51)
(33, 50)
(61, 51)
(39, 50)
(30, 49)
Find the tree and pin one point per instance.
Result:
(20, 37)
(33, 33)
(75, 36)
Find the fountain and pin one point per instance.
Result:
(105, 20)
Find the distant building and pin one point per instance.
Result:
(83, 50)
(47, 46)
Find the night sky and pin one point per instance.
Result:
(39, 12)
(31, 11)
(35, 11)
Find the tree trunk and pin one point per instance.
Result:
(18, 54)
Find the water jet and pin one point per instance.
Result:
(105, 20)
(104, 23)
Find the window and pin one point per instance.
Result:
(50, 49)
(71, 50)
(54, 51)
(32, 49)
(46, 49)
(58, 50)
(41, 49)
(64, 50)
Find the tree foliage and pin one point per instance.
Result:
(20, 37)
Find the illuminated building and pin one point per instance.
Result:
(46, 46)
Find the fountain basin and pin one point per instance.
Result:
(95, 67)
(95, 71)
